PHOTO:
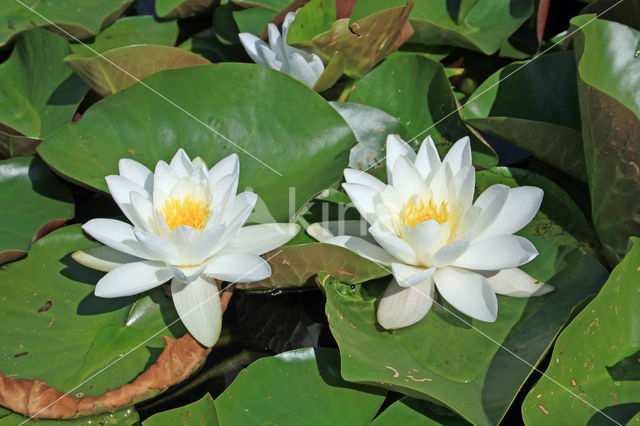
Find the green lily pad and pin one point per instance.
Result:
(415, 90)
(121, 67)
(79, 20)
(293, 266)
(314, 18)
(535, 109)
(297, 387)
(595, 363)
(33, 202)
(472, 367)
(371, 127)
(125, 417)
(128, 31)
(416, 412)
(38, 92)
(182, 8)
(201, 412)
(606, 53)
(48, 304)
(481, 25)
(253, 20)
(206, 44)
(303, 139)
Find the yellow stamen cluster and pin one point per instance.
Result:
(186, 211)
(412, 215)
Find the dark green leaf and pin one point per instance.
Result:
(608, 70)
(595, 364)
(535, 107)
(125, 417)
(253, 20)
(415, 90)
(297, 387)
(182, 8)
(304, 139)
(80, 20)
(38, 92)
(201, 412)
(416, 412)
(33, 202)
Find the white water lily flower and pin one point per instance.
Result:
(187, 228)
(303, 66)
(426, 227)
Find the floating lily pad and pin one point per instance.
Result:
(297, 387)
(535, 107)
(293, 266)
(473, 367)
(48, 305)
(415, 90)
(124, 417)
(128, 31)
(80, 20)
(182, 8)
(38, 92)
(33, 202)
(121, 67)
(416, 412)
(302, 143)
(201, 412)
(608, 66)
(594, 374)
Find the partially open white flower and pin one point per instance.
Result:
(303, 66)
(426, 227)
(187, 228)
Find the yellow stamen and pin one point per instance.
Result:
(412, 215)
(186, 211)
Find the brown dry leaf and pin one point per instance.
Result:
(180, 359)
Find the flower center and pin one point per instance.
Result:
(413, 215)
(186, 211)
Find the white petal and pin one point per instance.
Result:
(468, 292)
(459, 155)
(406, 178)
(182, 238)
(259, 239)
(428, 159)
(267, 57)
(395, 246)
(362, 197)
(205, 245)
(364, 178)
(181, 164)
(275, 41)
(408, 276)
(505, 251)
(132, 278)
(164, 179)
(239, 210)
(238, 267)
(442, 185)
(297, 67)
(186, 274)
(465, 184)
(137, 173)
(228, 165)
(157, 247)
(490, 202)
(323, 231)
(115, 234)
(397, 148)
(141, 211)
(121, 188)
(403, 306)
(514, 282)
(288, 20)
(103, 258)
(449, 253)
(426, 238)
(198, 304)
(250, 43)
(521, 206)
(363, 248)
(222, 195)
